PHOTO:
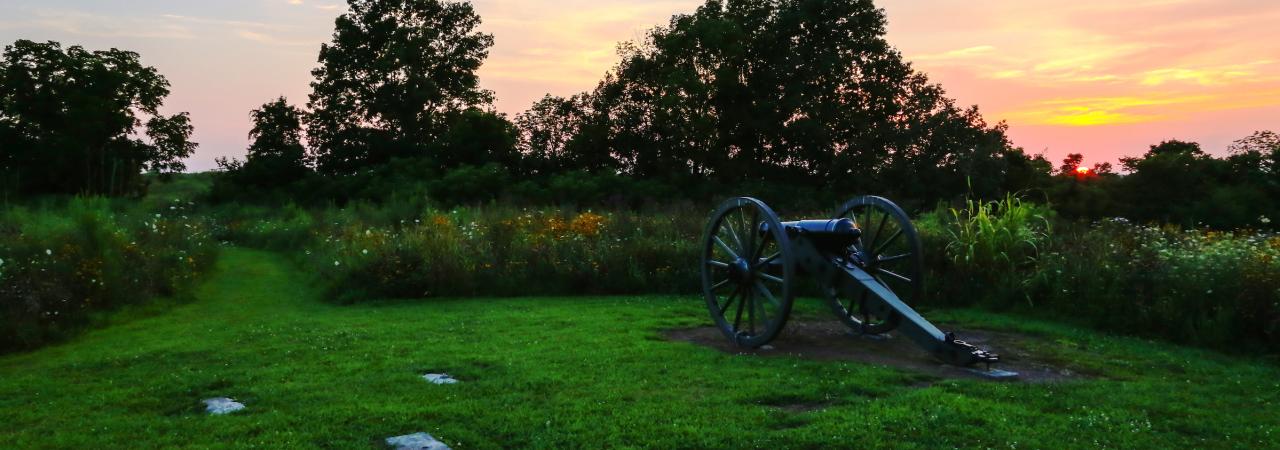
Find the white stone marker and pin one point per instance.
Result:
(222, 405)
(416, 441)
(439, 378)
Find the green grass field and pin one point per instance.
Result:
(581, 372)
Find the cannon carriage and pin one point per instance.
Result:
(865, 259)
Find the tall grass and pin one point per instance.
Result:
(1211, 288)
(1208, 288)
(62, 262)
(974, 252)
(363, 252)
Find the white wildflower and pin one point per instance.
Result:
(365, 251)
(336, 264)
(48, 252)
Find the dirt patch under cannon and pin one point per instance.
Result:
(831, 340)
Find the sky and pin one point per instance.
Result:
(1099, 77)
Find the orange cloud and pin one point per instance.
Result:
(1095, 111)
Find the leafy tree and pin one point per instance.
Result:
(1070, 164)
(1255, 162)
(562, 134)
(1088, 194)
(276, 157)
(477, 137)
(1258, 156)
(395, 76)
(1170, 182)
(804, 92)
(72, 121)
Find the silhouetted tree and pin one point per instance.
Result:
(478, 137)
(562, 134)
(276, 157)
(1170, 182)
(804, 92)
(72, 121)
(395, 76)
(1070, 164)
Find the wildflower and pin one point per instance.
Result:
(336, 264)
(365, 251)
(48, 252)
(1264, 219)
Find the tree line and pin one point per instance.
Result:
(76, 121)
(756, 95)
(797, 98)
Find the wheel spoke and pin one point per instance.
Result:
(768, 295)
(717, 263)
(768, 260)
(751, 311)
(894, 275)
(866, 226)
(725, 247)
(887, 242)
(721, 284)
(759, 250)
(728, 224)
(729, 301)
(737, 318)
(770, 278)
(879, 229)
(894, 257)
(764, 311)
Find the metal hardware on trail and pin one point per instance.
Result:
(866, 261)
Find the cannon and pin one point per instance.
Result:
(866, 261)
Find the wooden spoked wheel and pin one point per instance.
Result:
(889, 249)
(748, 272)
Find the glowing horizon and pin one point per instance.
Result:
(1089, 77)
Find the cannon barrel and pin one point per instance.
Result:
(826, 233)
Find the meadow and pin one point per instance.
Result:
(584, 371)
(1193, 286)
(396, 222)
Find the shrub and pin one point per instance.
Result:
(1208, 288)
(501, 250)
(980, 251)
(62, 263)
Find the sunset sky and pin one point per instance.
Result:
(1097, 77)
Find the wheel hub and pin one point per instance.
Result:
(740, 271)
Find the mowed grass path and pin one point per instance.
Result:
(580, 372)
